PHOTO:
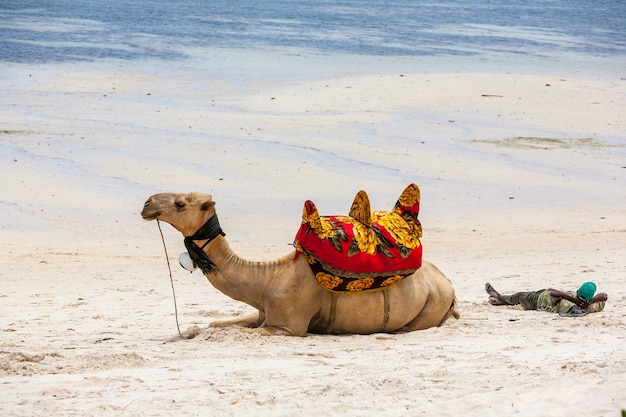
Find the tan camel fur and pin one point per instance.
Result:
(289, 300)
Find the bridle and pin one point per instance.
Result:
(208, 231)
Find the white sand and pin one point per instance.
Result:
(523, 182)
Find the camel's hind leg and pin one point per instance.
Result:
(431, 316)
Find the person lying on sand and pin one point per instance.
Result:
(552, 300)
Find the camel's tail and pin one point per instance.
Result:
(452, 312)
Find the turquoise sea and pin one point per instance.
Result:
(526, 35)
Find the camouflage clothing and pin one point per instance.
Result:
(541, 300)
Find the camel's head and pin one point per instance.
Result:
(185, 212)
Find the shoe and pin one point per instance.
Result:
(574, 311)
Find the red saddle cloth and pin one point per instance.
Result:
(365, 250)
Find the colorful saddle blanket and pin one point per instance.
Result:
(365, 250)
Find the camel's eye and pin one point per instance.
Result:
(179, 204)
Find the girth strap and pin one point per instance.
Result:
(386, 311)
(331, 316)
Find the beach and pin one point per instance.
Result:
(522, 177)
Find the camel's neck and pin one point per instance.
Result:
(238, 278)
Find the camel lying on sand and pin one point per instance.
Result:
(285, 291)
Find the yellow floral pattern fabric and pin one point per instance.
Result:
(362, 251)
(336, 283)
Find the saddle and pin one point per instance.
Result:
(365, 250)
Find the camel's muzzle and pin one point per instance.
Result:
(149, 213)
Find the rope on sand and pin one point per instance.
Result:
(171, 279)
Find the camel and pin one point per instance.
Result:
(287, 297)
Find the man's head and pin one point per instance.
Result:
(586, 291)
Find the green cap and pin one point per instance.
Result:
(586, 291)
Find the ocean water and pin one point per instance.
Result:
(531, 33)
(121, 99)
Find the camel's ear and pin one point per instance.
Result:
(207, 205)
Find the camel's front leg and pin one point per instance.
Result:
(249, 320)
(283, 318)
(274, 331)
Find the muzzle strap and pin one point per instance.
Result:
(209, 231)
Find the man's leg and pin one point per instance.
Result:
(494, 296)
(527, 299)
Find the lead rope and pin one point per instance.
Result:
(171, 279)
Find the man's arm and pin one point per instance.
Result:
(558, 294)
(601, 296)
(580, 303)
